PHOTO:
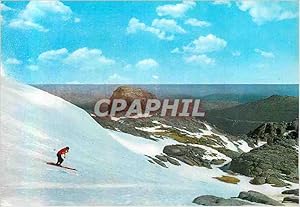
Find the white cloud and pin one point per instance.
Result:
(156, 77)
(34, 11)
(199, 60)
(146, 64)
(264, 11)
(222, 2)
(25, 24)
(13, 61)
(195, 51)
(261, 66)
(77, 20)
(236, 53)
(197, 23)
(3, 7)
(175, 10)
(53, 54)
(205, 44)
(168, 25)
(33, 67)
(82, 59)
(40, 9)
(162, 28)
(176, 50)
(264, 53)
(87, 59)
(135, 25)
(116, 79)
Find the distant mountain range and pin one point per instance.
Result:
(231, 111)
(243, 118)
(231, 97)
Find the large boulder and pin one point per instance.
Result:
(292, 199)
(269, 163)
(130, 94)
(291, 191)
(190, 155)
(257, 197)
(210, 200)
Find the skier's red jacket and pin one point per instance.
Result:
(62, 151)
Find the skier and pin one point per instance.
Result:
(59, 154)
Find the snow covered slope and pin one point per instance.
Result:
(112, 169)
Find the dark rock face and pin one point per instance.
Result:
(274, 161)
(257, 197)
(217, 161)
(162, 158)
(275, 181)
(188, 154)
(165, 158)
(292, 191)
(258, 180)
(173, 161)
(209, 200)
(292, 199)
(244, 198)
(130, 125)
(276, 133)
(269, 162)
(157, 161)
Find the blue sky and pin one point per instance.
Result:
(217, 41)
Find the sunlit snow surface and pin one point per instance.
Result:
(112, 168)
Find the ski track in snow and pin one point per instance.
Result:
(112, 168)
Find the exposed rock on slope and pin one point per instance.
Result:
(265, 161)
(130, 94)
(244, 198)
(257, 197)
(292, 191)
(280, 133)
(274, 161)
(210, 200)
(188, 154)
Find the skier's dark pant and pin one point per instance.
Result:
(59, 159)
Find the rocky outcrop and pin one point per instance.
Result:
(129, 94)
(293, 196)
(210, 200)
(188, 154)
(165, 158)
(244, 198)
(292, 199)
(257, 197)
(217, 161)
(273, 162)
(154, 160)
(284, 133)
(291, 191)
(268, 164)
